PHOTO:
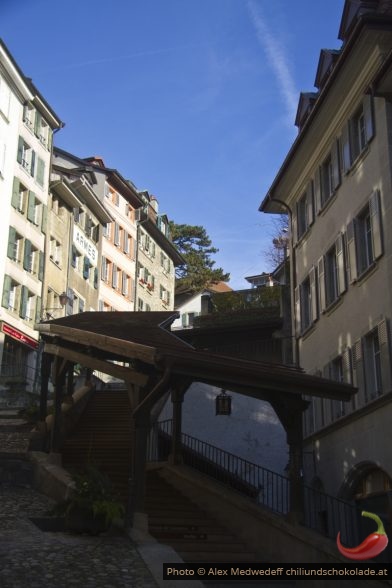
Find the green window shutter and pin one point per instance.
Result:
(321, 283)
(86, 268)
(32, 164)
(340, 264)
(6, 291)
(309, 204)
(352, 266)
(317, 191)
(37, 124)
(347, 365)
(19, 157)
(23, 302)
(37, 309)
(95, 277)
(15, 193)
(335, 160)
(44, 220)
(31, 207)
(385, 353)
(368, 114)
(11, 243)
(27, 256)
(375, 217)
(41, 265)
(313, 293)
(40, 171)
(358, 372)
(70, 301)
(345, 148)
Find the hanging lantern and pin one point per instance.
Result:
(223, 403)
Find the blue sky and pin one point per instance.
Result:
(194, 100)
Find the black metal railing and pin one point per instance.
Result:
(323, 513)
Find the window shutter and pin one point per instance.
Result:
(309, 204)
(345, 146)
(313, 294)
(297, 311)
(11, 243)
(41, 265)
(44, 220)
(358, 370)
(130, 289)
(352, 266)
(37, 124)
(27, 256)
(23, 302)
(86, 268)
(375, 219)
(70, 301)
(321, 283)
(346, 360)
(40, 171)
(74, 256)
(335, 165)
(103, 268)
(95, 277)
(294, 227)
(317, 191)
(368, 115)
(38, 311)
(95, 234)
(31, 207)
(81, 305)
(19, 156)
(385, 356)
(15, 193)
(6, 291)
(116, 234)
(341, 270)
(32, 163)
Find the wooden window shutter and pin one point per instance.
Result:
(6, 291)
(375, 219)
(40, 171)
(341, 269)
(15, 193)
(346, 360)
(352, 264)
(345, 147)
(27, 255)
(31, 207)
(335, 160)
(313, 294)
(11, 243)
(310, 204)
(317, 191)
(368, 115)
(358, 370)
(385, 352)
(297, 310)
(44, 220)
(23, 302)
(321, 283)
(41, 265)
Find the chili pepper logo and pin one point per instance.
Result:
(370, 547)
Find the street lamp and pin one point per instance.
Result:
(63, 299)
(223, 403)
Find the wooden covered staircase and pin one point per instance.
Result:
(102, 437)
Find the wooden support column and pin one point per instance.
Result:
(290, 412)
(70, 384)
(60, 366)
(179, 387)
(141, 431)
(46, 362)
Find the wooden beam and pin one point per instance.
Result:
(126, 349)
(118, 371)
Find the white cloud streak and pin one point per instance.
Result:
(277, 58)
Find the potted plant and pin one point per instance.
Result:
(93, 506)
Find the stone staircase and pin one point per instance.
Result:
(102, 437)
(194, 534)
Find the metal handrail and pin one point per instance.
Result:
(323, 513)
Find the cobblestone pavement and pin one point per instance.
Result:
(32, 558)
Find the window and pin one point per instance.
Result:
(116, 238)
(305, 211)
(11, 294)
(364, 238)
(114, 276)
(165, 263)
(125, 284)
(140, 305)
(19, 196)
(34, 209)
(306, 307)
(164, 295)
(41, 129)
(187, 319)
(357, 133)
(372, 357)
(327, 178)
(26, 156)
(15, 245)
(332, 274)
(55, 250)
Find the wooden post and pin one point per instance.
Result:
(59, 380)
(177, 399)
(46, 361)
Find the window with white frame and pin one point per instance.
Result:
(357, 133)
(332, 274)
(19, 196)
(15, 245)
(140, 304)
(305, 211)
(28, 115)
(327, 178)
(26, 156)
(34, 209)
(364, 238)
(55, 250)
(164, 295)
(11, 294)
(42, 130)
(372, 358)
(306, 304)
(165, 263)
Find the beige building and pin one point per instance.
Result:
(27, 124)
(156, 259)
(336, 185)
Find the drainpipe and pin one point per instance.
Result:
(293, 277)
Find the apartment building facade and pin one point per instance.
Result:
(27, 124)
(336, 185)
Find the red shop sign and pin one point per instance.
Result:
(19, 336)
